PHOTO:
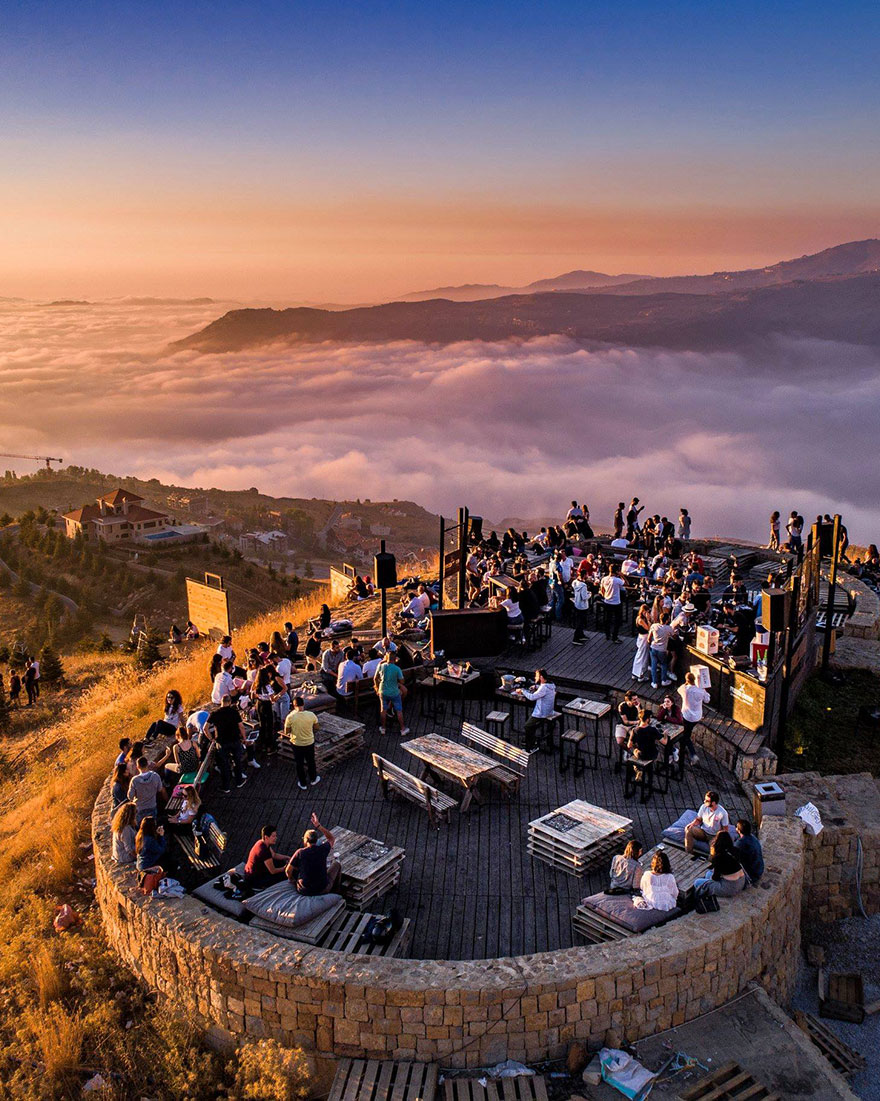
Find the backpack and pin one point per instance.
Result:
(380, 929)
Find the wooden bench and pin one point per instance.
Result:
(175, 803)
(209, 854)
(509, 777)
(361, 689)
(411, 787)
(372, 1080)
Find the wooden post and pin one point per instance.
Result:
(832, 587)
(442, 561)
(462, 555)
(384, 593)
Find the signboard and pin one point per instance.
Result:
(451, 561)
(208, 604)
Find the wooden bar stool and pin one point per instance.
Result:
(631, 784)
(574, 739)
(497, 722)
(428, 697)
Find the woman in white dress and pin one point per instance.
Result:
(643, 626)
(658, 886)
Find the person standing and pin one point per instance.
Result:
(617, 523)
(388, 683)
(610, 588)
(684, 525)
(658, 641)
(580, 595)
(795, 528)
(300, 728)
(692, 699)
(632, 519)
(30, 682)
(229, 736)
(543, 695)
(774, 532)
(643, 626)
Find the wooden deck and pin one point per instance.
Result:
(471, 888)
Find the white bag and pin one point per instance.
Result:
(170, 888)
(811, 819)
(625, 1073)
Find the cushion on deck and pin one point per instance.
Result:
(675, 832)
(620, 908)
(209, 893)
(281, 905)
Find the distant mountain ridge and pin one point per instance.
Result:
(836, 309)
(480, 292)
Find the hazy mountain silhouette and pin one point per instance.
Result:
(569, 281)
(841, 309)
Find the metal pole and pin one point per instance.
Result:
(442, 561)
(832, 586)
(462, 555)
(384, 592)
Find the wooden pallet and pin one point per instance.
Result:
(345, 933)
(372, 1080)
(309, 933)
(597, 928)
(841, 1056)
(525, 1087)
(686, 867)
(841, 996)
(729, 1083)
(595, 833)
(576, 864)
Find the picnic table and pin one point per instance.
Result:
(593, 711)
(370, 868)
(577, 835)
(446, 758)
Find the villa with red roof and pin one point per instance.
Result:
(116, 516)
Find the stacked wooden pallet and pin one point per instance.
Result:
(375, 1080)
(336, 739)
(716, 568)
(370, 868)
(841, 1056)
(578, 835)
(729, 1083)
(311, 932)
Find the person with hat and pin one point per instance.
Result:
(311, 869)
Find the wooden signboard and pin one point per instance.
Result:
(209, 604)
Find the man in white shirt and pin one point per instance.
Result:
(630, 566)
(544, 697)
(425, 597)
(619, 544)
(374, 660)
(349, 671)
(610, 588)
(224, 683)
(711, 817)
(564, 565)
(692, 699)
(575, 512)
(580, 597)
(414, 609)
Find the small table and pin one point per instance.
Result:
(577, 835)
(461, 681)
(446, 758)
(370, 868)
(594, 710)
(686, 867)
(512, 697)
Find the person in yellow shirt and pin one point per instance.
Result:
(300, 726)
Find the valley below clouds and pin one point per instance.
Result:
(510, 429)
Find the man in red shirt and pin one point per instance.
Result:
(264, 865)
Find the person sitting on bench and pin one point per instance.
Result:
(711, 817)
(311, 869)
(264, 866)
(625, 872)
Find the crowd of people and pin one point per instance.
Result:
(27, 680)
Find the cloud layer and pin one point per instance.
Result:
(513, 429)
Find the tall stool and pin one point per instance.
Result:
(497, 722)
(631, 784)
(574, 739)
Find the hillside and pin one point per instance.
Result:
(840, 309)
(570, 280)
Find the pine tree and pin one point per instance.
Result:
(105, 643)
(148, 650)
(51, 669)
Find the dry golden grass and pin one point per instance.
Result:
(65, 1002)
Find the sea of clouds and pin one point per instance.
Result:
(509, 429)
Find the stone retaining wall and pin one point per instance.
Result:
(239, 981)
(850, 810)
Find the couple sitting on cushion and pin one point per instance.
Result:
(310, 870)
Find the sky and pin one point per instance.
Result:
(351, 152)
(508, 428)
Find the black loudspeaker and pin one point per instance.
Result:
(384, 571)
(774, 609)
(826, 539)
(476, 523)
(469, 633)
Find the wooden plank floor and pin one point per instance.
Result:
(470, 888)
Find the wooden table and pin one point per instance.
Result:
(370, 868)
(577, 835)
(512, 697)
(686, 867)
(446, 758)
(461, 682)
(595, 711)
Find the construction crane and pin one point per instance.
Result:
(47, 459)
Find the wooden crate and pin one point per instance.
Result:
(309, 933)
(841, 996)
(345, 933)
(525, 1087)
(729, 1083)
(597, 928)
(375, 1080)
(841, 1056)
(336, 739)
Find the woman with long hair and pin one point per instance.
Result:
(150, 845)
(644, 622)
(277, 646)
(121, 780)
(658, 886)
(180, 758)
(122, 833)
(136, 750)
(727, 877)
(267, 686)
(774, 532)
